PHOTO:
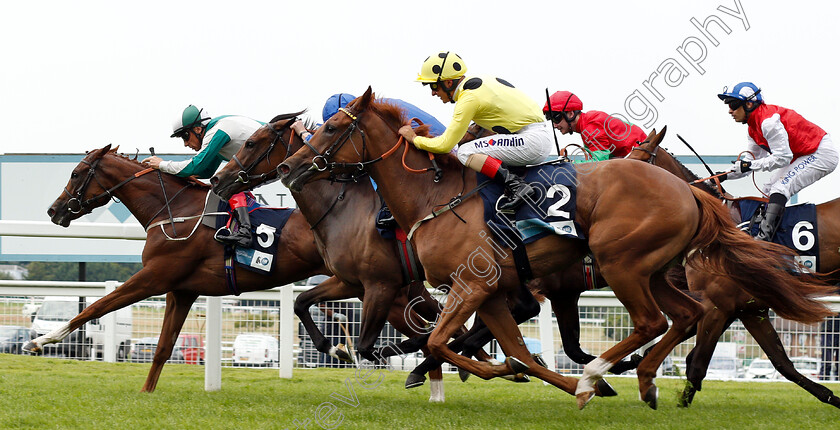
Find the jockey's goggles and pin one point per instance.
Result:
(555, 117)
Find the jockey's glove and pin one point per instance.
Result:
(742, 166)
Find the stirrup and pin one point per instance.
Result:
(242, 240)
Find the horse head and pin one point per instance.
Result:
(646, 151)
(74, 201)
(346, 143)
(256, 161)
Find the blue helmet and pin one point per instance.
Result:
(745, 91)
(335, 102)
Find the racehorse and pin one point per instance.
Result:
(342, 219)
(726, 301)
(330, 211)
(183, 268)
(633, 231)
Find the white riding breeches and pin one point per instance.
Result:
(530, 145)
(805, 170)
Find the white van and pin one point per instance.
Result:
(57, 311)
(253, 349)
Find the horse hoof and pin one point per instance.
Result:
(340, 352)
(584, 398)
(516, 365)
(604, 389)
(651, 396)
(833, 400)
(687, 397)
(31, 347)
(463, 374)
(538, 358)
(414, 380)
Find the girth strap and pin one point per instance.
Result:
(408, 259)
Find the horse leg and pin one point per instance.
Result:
(178, 305)
(376, 306)
(524, 308)
(684, 313)
(711, 326)
(331, 289)
(631, 288)
(137, 288)
(399, 318)
(459, 307)
(760, 327)
(496, 315)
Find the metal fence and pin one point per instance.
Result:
(250, 330)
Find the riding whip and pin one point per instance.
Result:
(695, 153)
(551, 120)
(165, 199)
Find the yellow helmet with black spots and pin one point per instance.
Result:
(441, 66)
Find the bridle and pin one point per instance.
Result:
(652, 159)
(244, 175)
(346, 136)
(76, 205)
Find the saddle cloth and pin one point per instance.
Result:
(798, 230)
(552, 211)
(266, 226)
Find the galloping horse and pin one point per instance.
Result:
(183, 269)
(634, 231)
(727, 301)
(329, 207)
(342, 219)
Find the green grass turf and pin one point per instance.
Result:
(38, 392)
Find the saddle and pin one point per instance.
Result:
(798, 229)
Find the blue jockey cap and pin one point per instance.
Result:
(745, 91)
(335, 102)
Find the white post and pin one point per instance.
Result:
(213, 354)
(109, 326)
(287, 321)
(547, 334)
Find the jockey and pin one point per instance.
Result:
(606, 136)
(523, 136)
(336, 101)
(780, 140)
(216, 140)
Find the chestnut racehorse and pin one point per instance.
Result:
(256, 163)
(182, 269)
(726, 301)
(633, 230)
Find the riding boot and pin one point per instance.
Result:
(384, 219)
(772, 217)
(517, 189)
(242, 236)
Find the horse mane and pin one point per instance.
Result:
(283, 116)
(396, 115)
(691, 177)
(190, 180)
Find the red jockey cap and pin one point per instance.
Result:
(564, 101)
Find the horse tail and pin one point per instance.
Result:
(763, 269)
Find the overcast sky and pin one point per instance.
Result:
(78, 75)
